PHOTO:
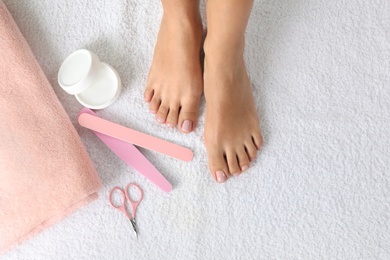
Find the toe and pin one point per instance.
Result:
(218, 166)
(257, 140)
(188, 115)
(173, 115)
(243, 159)
(148, 94)
(154, 104)
(162, 113)
(251, 150)
(234, 168)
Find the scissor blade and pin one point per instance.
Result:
(134, 224)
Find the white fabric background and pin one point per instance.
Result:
(318, 190)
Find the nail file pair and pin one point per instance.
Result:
(120, 140)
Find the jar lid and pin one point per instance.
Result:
(77, 71)
(95, 84)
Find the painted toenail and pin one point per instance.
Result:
(153, 111)
(187, 126)
(221, 177)
(244, 168)
(160, 120)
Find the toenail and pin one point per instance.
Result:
(187, 126)
(221, 177)
(160, 120)
(170, 125)
(236, 174)
(153, 111)
(244, 168)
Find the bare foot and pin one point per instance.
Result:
(175, 81)
(232, 132)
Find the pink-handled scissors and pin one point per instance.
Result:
(126, 197)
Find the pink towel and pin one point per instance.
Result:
(45, 172)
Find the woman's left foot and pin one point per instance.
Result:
(232, 131)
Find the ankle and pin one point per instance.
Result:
(182, 11)
(224, 51)
(183, 23)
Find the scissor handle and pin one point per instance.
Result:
(120, 207)
(134, 203)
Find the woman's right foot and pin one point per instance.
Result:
(175, 81)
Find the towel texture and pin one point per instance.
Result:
(45, 172)
(320, 186)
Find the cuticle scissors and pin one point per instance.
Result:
(134, 204)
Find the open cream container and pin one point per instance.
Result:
(95, 84)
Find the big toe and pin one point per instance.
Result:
(218, 166)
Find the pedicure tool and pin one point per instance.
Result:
(126, 198)
(132, 156)
(131, 136)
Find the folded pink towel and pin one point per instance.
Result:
(45, 172)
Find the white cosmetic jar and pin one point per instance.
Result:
(95, 84)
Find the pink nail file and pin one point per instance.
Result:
(134, 137)
(130, 154)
